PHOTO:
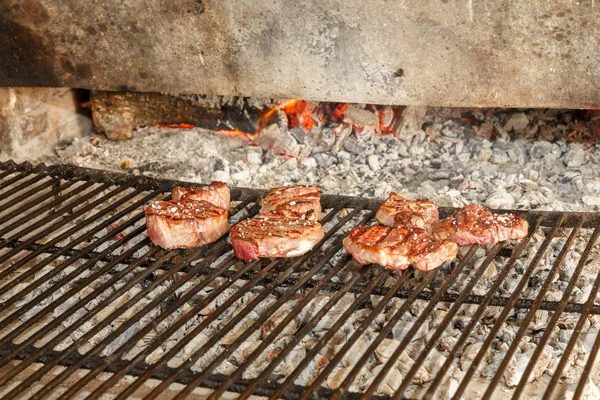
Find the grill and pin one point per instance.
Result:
(90, 307)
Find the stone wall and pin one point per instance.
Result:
(484, 53)
(34, 120)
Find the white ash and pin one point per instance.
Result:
(446, 163)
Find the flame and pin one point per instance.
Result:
(387, 116)
(298, 113)
(237, 132)
(306, 115)
(178, 126)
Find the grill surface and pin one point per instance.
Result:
(81, 287)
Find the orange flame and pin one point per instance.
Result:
(300, 113)
(179, 126)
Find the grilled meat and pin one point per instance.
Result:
(216, 193)
(398, 211)
(397, 248)
(275, 235)
(299, 198)
(185, 224)
(475, 224)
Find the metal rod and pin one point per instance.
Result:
(289, 292)
(116, 295)
(385, 331)
(14, 179)
(74, 242)
(554, 320)
(259, 298)
(58, 224)
(589, 366)
(448, 282)
(507, 308)
(307, 298)
(54, 324)
(18, 188)
(576, 331)
(328, 335)
(433, 340)
(32, 192)
(64, 235)
(458, 346)
(28, 211)
(531, 313)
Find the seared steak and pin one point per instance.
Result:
(299, 198)
(216, 193)
(185, 224)
(475, 224)
(274, 235)
(398, 211)
(397, 248)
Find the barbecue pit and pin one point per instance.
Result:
(90, 305)
(115, 103)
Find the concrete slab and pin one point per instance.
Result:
(492, 53)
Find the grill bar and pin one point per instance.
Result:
(530, 314)
(416, 325)
(309, 296)
(580, 322)
(115, 296)
(554, 320)
(513, 298)
(446, 321)
(281, 277)
(81, 286)
(478, 313)
(336, 326)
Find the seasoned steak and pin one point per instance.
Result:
(185, 224)
(275, 235)
(299, 198)
(398, 211)
(475, 224)
(216, 193)
(397, 248)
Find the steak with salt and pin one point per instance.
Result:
(183, 224)
(298, 198)
(398, 211)
(397, 248)
(475, 224)
(216, 193)
(275, 235)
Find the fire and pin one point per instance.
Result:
(178, 126)
(306, 115)
(237, 132)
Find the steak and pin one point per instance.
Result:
(397, 248)
(216, 193)
(299, 198)
(475, 224)
(275, 235)
(185, 224)
(398, 211)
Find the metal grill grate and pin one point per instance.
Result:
(89, 307)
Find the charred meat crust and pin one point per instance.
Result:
(274, 235)
(398, 211)
(475, 224)
(298, 198)
(397, 248)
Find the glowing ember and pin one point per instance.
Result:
(237, 133)
(178, 126)
(306, 115)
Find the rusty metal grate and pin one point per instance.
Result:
(86, 299)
